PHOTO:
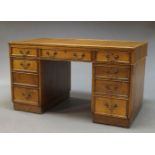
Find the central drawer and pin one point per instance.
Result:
(67, 54)
(79, 55)
(54, 53)
(25, 65)
(111, 107)
(111, 87)
(25, 95)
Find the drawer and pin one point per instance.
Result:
(25, 79)
(111, 107)
(111, 87)
(112, 72)
(113, 57)
(54, 54)
(30, 52)
(25, 65)
(25, 95)
(80, 55)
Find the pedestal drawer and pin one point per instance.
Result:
(111, 107)
(112, 71)
(24, 65)
(25, 79)
(25, 95)
(29, 52)
(111, 87)
(113, 56)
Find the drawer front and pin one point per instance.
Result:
(113, 57)
(25, 65)
(54, 54)
(25, 95)
(79, 55)
(111, 107)
(113, 72)
(24, 52)
(112, 88)
(25, 79)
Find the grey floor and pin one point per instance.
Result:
(70, 116)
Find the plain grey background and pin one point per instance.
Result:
(74, 115)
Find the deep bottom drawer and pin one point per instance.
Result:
(25, 95)
(111, 107)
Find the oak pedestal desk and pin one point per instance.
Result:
(40, 75)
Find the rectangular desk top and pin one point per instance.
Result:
(80, 43)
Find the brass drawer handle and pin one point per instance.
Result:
(25, 65)
(24, 53)
(111, 106)
(112, 71)
(111, 57)
(111, 87)
(54, 54)
(116, 57)
(51, 54)
(75, 55)
(48, 53)
(78, 57)
(27, 95)
(108, 56)
(83, 55)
